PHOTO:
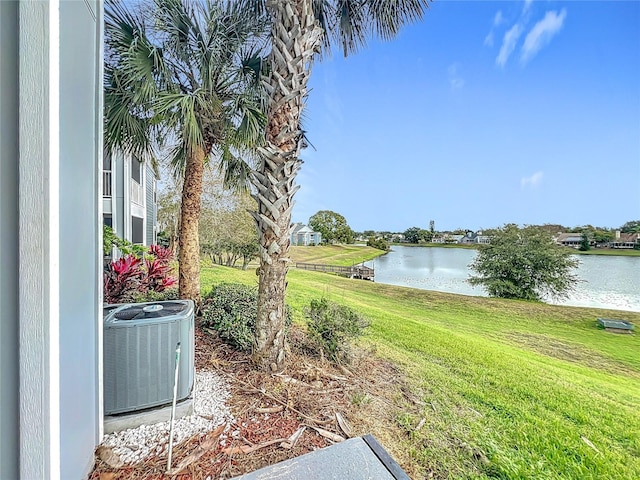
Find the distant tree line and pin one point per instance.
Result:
(591, 234)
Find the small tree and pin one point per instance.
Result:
(332, 226)
(585, 244)
(332, 326)
(379, 243)
(632, 226)
(525, 264)
(413, 235)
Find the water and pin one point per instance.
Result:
(605, 281)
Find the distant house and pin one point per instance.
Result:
(129, 197)
(625, 240)
(569, 239)
(483, 239)
(469, 238)
(453, 238)
(474, 238)
(302, 235)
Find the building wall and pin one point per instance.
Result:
(80, 169)
(150, 183)
(121, 206)
(118, 198)
(50, 286)
(9, 400)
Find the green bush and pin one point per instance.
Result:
(379, 243)
(152, 296)
(331, 326)
(231, 310)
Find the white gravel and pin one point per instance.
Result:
(210, 393)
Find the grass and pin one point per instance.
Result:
(622, 252)
(339, 255)
(507, 389)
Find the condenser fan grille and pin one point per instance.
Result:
(165, 309)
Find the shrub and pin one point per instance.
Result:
(331, 327)
(379, 243)
(121, 278)
(231, 310)
(110, 240)
(152, 296)
(130, 278)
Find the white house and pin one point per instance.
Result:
(304, 235)
(129, 197)
(50, 238)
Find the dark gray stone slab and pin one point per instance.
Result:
(352, 459)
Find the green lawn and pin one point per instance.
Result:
(340, 255)
(508, 389)
(623, 252)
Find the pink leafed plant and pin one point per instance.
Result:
(131, 276)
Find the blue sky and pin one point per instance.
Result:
(485, 113)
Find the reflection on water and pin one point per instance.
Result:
(606, 281)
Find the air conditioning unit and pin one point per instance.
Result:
(140, 342)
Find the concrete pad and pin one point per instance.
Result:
(117, 423)
(353, 459)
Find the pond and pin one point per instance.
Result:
(605, 281)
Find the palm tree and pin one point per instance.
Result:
(300, 30)
(185, 74)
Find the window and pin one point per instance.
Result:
(106, 161)
(108, 220)
(137, 230)
(136, 170)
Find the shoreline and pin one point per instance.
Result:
(594, 251)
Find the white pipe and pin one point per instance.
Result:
(173, 408)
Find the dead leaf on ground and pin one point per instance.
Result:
(588, 442)
(293, 439)
(249, 449)
(208, 444)
(334, 437)
(344, 425)
(269, 409)
(108, 456)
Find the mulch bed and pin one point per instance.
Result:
(311, 405)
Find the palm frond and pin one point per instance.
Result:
(349, 23)
(235, 170)
(185, 71)
(390, 15)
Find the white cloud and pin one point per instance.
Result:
(508, 44)
(533, 181)
(488, 40)
(455, 78)
(542, 33)
(498, 20)
(527, 5)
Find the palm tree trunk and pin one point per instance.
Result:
(295, 36)
(189, 255)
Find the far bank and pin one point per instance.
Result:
(623, 252)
